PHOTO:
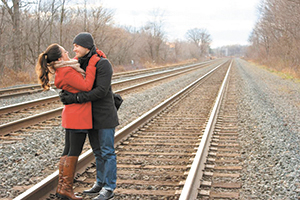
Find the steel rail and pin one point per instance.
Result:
(19, 106)
(34, 88)
(15, 125)
(187, 67)
(28, 104)
(48, 185)
(34, 119)
(190, 68)
(196, 172)
(142, 71)
(38, 86)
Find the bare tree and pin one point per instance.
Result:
(38, 29)
(27, 29)
(2, 44)
(201, 38)
(155, 35)
(275, 39)
(101, 20)
(62, 15)
(14, 12)
(54, 9)
(121, 48)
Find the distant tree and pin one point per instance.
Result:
(230, 50)
(54, 9)
(27, 27)
(154, 30)
(275, 39)
(201, 38)
(62, 16)
(14, 12)
(100, 22)
(2, 35)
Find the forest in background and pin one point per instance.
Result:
(28, 27)
(275, 39)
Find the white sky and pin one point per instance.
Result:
(228, 22)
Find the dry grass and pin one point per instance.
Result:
(11, 77)
(284, 72)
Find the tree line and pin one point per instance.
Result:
(275, 39)
(28, 27)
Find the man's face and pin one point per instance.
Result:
(80, 51)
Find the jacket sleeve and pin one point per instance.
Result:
(102, 83)
(76, 80)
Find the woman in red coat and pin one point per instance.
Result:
(76, 118)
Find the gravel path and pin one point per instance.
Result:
(269, 123)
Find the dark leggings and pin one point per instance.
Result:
(74, 141)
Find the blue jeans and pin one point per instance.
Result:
(102, 142)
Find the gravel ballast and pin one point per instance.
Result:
(26, 162)
(268, 121)
(269, 117)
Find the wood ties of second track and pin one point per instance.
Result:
(29, 111)
(23, 132)
(221, 178)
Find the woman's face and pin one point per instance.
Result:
(64, 54)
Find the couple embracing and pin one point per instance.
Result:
(89, 109)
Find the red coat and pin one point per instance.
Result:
(76, 116)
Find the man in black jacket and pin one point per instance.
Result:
(105, 117)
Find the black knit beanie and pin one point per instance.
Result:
(85, 40)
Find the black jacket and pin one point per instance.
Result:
(103, 106)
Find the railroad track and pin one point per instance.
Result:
(35, 88)
(221, 177)
(16, 117)
(156, 153)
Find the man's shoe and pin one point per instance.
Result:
(95, 189)
(104, 195)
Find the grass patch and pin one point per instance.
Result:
(285, 73)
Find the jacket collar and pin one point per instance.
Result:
(85, 58)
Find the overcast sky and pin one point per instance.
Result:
(228, 22)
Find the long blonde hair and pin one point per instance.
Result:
(44, 66)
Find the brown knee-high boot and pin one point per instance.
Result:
(60, 173)
(66, 190)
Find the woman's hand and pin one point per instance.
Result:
(94, 59)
